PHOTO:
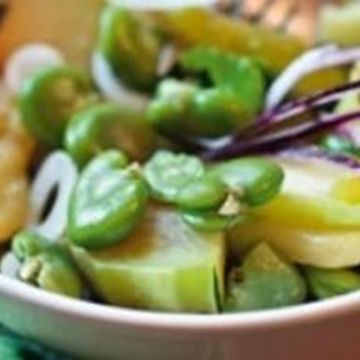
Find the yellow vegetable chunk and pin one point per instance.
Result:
(340, 24)
(16, 149)
(316, 193)
(274, 50)
(324, 248)
(164, 265)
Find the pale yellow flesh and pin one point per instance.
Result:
(324, 248)
(315, 220)
(340, 24)
(316, 193)
(164, 265)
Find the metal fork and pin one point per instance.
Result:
(298, 17)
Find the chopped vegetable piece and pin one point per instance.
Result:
(53, 270)
(27, 244)
(109, 126)
(204, 193)
(316, 193)
(49, 98)
(264, 281)
(255, 180)
(167, 173)
(273, 49)
(325, 283)
(131, 45)
(339, 24)
(324, 247)
(108, 202)
(235, 96)
(209, 221)
(164, 265)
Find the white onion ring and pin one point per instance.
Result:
(27, 60)
(111, 88)
(10, 265)
(162, 4)
(311, 61)
(58, 171)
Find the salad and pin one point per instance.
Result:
(177, 159)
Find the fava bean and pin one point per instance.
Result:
(53, 270)
(27, 244)
(204, 193)
(233, 98)
(167, 173)
(255, 180)
(49, 98)
(109, 126)
(131, 45)
(209, 221)
(108, 202)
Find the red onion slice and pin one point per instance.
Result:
(297, 107)
(58, 172)
(313, 60)
(111, 88)
(275, 140)
(315, 152)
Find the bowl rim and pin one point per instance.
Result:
(197, 323)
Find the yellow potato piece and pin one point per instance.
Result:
(16, 149)
(13, 206)
(315, 220)
(324, 248)
(340, 24)
(315, 193)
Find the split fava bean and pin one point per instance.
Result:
(167, 173)
(49, 98)
(105, 126)
(108, 202)
(256, 180)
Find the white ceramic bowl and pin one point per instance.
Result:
(327, 330)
